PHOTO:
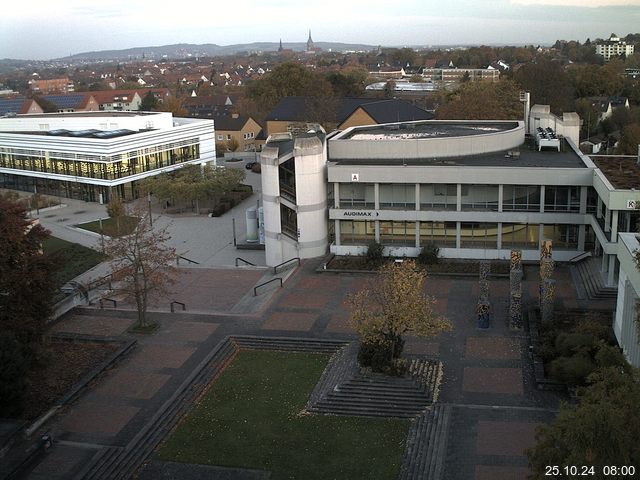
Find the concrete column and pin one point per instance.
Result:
(603, 265)
(377, 228)
(627, 224)
(582, 236)
(417, 234)
(417, 196)
(611, 280)
(458, 235)
(499, 246)
(583, 200)
(614, 225)
(459, 198)
(599, 208)
(607, 221)
(542, 199)
(540, 234)
(336, 195)
(337, 232)
(376, 198)
(500, 199)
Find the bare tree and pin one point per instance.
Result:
(142, 262)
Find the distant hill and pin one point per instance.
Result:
(182, 50)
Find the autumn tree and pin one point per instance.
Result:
(142, 262)
(483, 100)
(629, 140)
(548, 83)
(602, 429)
(174, 105)
(116, 210)
(149, 102)
(392, 306)
(26, 292)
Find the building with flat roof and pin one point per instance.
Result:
(614, 47)
(94, 155)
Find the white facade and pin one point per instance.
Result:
(613, 48)
(87, 155)
(294, 195)
(625, 325)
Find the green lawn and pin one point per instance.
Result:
(250, 418)
(110, 226)
(71, 259)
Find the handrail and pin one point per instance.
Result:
(178, 257)
(184, 307)
(115, 303)
(255, 289)
(245, 261)
(579, 257)
(275, 269)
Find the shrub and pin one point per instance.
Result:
(572, 370)
(375, 254)
(569, 343)
(429, 254)
(13, 371)
(383, 356)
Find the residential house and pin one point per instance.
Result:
(73, 102)
(18, 106)
(613, 47)
(241, 129)
(51, 86)
(118, 100)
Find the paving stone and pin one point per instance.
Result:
(96, 325)
(339, 323)
(486, 472)
(62, 461)
(128, 384)
(303, 299)
(299, 322)
(505, 438)
(320, 283)
(421, 346)
(98, 418)
(160, 356)
(493, 348)
(493, 380)
(188, 331)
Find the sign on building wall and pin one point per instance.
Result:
(360, 213)
(355, 177)
(633, 204)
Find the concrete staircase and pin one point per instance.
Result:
(427, 445)
(588, 272)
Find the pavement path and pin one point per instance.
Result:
(488, 379)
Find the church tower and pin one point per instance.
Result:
(310, 46)
(280, 47)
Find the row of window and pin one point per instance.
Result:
(473, 197)
(129, 164)
(444, 234)
(246, 136)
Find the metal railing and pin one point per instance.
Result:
(296, 259)
(579, 257)
(179, 257)
(245, 261)
(255, 289)
(175, 302)
(114, 302)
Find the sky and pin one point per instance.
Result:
(46, 29)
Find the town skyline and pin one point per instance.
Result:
(73, 28)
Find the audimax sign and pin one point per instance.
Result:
(360, 213)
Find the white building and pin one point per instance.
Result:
(625, 325)
(93, 155)
(613, 48)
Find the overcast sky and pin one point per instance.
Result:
(45, 29)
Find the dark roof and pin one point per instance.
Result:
(298, 109)
(389, 111)
(66, 101)
(11, 105)
(228, 122)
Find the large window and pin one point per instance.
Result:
(354, 232)
(398, 196)
(289, 222)
(287, 175)
(521, 198)
(441, 234)
(357, 195)
(438, 196)
(480, 197)
(520, 235)
(398, 233)
(563, 236)
(561, 199)
(478, 235)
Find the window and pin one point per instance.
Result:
(438, 196)
(357, 195)
(520, 235)
(398, 233)
(480, 197)
(289, 222)
(561, 199)
(478, 235)
(220, 137)
(441, 234)
(287, 174)
(521, 198)
(228, 136)
(398, 196)
(354, 232)
(562, 236)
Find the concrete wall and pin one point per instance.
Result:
(625, 326)
(438, 147)
(78, 121)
